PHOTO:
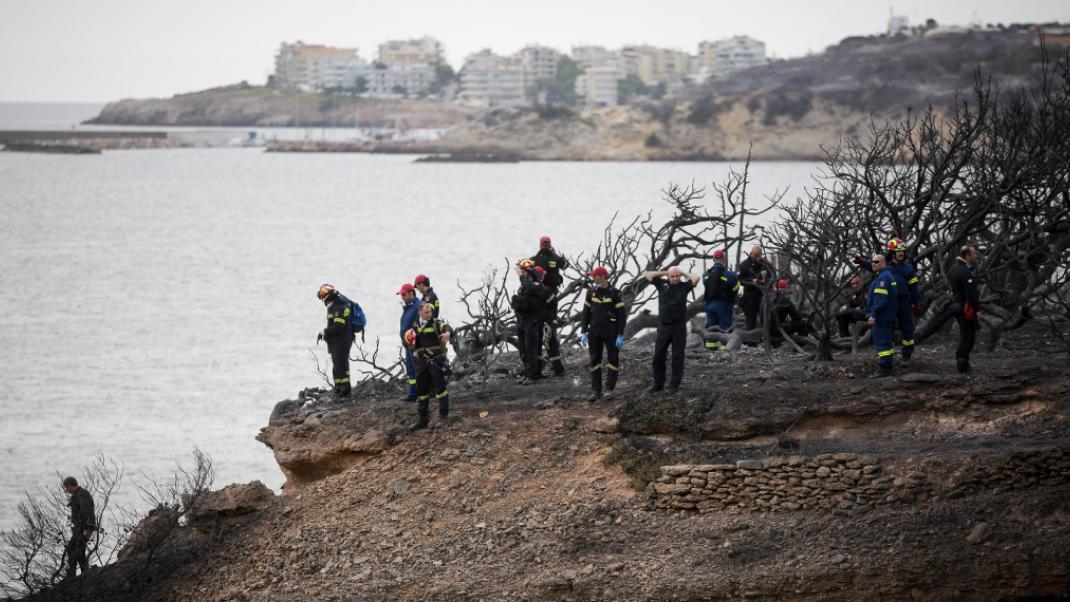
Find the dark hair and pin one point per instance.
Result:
(70, 482)
(426, 281)
(965, 251)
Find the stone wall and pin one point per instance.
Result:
(841, 483)
(1019, 470)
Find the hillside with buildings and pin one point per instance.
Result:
(633, 103)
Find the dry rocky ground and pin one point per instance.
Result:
(534, 494)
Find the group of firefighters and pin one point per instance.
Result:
(893, 301)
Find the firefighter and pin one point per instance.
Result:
(602, 326)
(427, 294)
(881, 312)
(339, 338)
(410, 309)
(966, 304)
(529, 303)
(784, 315)
(909, 299)
(83, 524)
(674, 287)
(753, 272)
(552, 264)
(428, 338)
(720, 297)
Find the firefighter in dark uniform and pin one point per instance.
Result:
(909, 299)
(966, 303)
(753, 273)
(427, 294)
(529, 305)
(428, 338)
(552, 264)
(720, 297)
(339, 337)
(673, 291)
(410, 308)
(783, 315)
(602, 326)
(881, 313)
(83, 524)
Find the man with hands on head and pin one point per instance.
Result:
(674, 287)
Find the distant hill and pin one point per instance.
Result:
(786, 109)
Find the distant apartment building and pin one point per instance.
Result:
(539, 62)
(898, 24)
(597, 85)
(301, 66)
(492, 81)
(421, 51)
(397, 80)
(722, 57)
(655, 65)
(594, 55)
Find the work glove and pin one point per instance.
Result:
(916, 308)
(583, 339)
(319, 337)
(620, 341)
(858, 260)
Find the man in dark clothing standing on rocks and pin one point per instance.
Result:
(604, 317)
(551, 264)
(339, 337)
(83, 524)
(966, 304)
(673, 291)
(410, 308)
(529, 305)
(429, 339)
(752, 274)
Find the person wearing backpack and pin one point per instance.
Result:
(428, 338)
(339, 336)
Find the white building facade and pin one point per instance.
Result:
(301, 66)
(492, 81)
(722, 57)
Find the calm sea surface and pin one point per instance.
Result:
(156, 301)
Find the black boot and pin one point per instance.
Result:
(884, 370)
(610, 394)
(963, 365)
(421, 416)
(443, 413)
(595, 395)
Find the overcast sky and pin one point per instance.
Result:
(99, 50)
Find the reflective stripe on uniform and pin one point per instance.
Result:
(713, 344)
(341, 381)
(881, 291)
(908, 342)
(612, 367)
(423, 397)
(554, 358)
(619, 305)
(412, 381)
(340, 320)
(886, 353)
(596, 367)
(913, 280)
(442, 394)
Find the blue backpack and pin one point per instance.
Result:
(357, 319)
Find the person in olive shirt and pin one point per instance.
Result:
(966, 302)
(674, 287)
(602, 326)
(83, 524)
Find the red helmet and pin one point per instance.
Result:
(782, 283)
(599, 271)
(326, 290)
(718, 254)
(421, 279)
(896, 244)
(406, 288)
(544, 241)
(541, 272)
(410, 337)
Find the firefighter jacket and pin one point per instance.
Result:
(553, 264)
(530, 300)
(428, 337)
(83, 517)
(721, 284)
(911, 293)
(604, 312)
(884, 295)
(964, 286)
(338, 332)
(431, 298)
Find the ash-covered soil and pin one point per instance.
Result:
(532, 493)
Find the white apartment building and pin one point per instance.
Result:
(655, 65)
(492, 81)
(399, 80)
(301, 66)
(425, 51)
(597, 85)
(721, 57)
(594, 55)
(898, 24)
(539, 62)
